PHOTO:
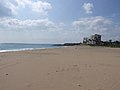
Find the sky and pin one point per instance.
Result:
(58, 21)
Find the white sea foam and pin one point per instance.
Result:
(24, 49)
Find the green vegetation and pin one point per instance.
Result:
(68, 44)
(115, 44)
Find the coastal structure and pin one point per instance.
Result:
(92, 40)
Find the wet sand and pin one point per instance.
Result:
(71, 68)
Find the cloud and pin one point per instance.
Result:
(97, 24)
(41, 7)
(4, 11)
(23, 3)
(11, 7)
(40, 24)
(40, 30)
(44, 30)
(88, 7)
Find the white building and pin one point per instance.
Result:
(92, 40)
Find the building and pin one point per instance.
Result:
(92, 40)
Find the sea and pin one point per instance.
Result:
(8, 47)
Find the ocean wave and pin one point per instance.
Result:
(24, 49)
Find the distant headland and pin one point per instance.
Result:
(93, 40)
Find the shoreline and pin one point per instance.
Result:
(53, 46)
(28, 49)
(9, 47)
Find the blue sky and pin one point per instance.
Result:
(58, 21)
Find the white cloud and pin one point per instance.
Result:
(45, 30)
(11, 7)
(88, 7)
(23, 3)
(98, 24)
(41, 7)
(40, 30)
(4, 11)
(40, 24)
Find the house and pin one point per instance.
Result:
(92, 40)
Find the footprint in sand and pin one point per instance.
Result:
(75, 65)
(56, 71)
(6, 74)
(79, 85)
(60, 70)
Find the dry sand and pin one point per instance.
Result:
(71, 68)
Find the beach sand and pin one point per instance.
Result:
(70, 68)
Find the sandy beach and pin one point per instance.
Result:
(70, 68)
